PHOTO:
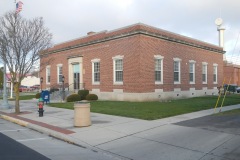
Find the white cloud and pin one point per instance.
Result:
(72, 19)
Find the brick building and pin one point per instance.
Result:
(136, 63)
(231, 73)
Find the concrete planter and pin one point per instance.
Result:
(82, 114)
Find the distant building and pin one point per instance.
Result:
(135, 63)
(231, 73)
(29, 80)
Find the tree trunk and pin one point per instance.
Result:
(16, 90)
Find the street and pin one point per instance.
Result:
(12, 150)
(19, 143)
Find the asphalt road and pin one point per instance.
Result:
(224, 124)
(219, 123)
(13, 150)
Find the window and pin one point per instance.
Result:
(177, 72)
(48, 74)
(96, 71)
(215, 73)
(158, 69)
(192, 71)
(118, 69)
(59, 72)
(204, 72)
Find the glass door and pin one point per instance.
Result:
(76, 76)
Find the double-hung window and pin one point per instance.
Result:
(96, 71)
(158, 69)
(192, 71)
(215, 80)
(59, 73)
(48, 74)
(204, 72)
(177, 71)
(118, 69)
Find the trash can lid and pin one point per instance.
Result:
(83, 101)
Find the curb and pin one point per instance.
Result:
(15, 120)
(62, 137)
(47, 131)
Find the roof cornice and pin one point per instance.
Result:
(139, 32)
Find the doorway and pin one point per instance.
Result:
(76, 76)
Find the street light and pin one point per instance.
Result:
(63, 89)
(5, 104)
(41, 80)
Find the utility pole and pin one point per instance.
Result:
(5, 104)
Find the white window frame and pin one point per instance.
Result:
(118, 57)
(158, 57)
(58, 74)
(93, 75)
(204, 71)
(179, 70)
(192, 62)
(216, 72)
(48, 68)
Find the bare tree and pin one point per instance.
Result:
(21, 42)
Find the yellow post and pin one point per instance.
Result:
(219, 96)
(225, 94)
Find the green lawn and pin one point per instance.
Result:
(154, 110)
(24, 97)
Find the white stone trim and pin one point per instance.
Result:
(194, 71)
(215, 65)
(118, 57)
(71, 62)
(48, 67)
(158, 56)
(118, 95)
(58, 80)
(95, 61)
(205, 64)
(179, 61)
(192, 61)
(161, 58)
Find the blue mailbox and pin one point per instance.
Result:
(45, 95)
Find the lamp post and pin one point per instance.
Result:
(41, 81)
(5, 104)
(63, 89)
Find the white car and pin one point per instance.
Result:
(238, 89)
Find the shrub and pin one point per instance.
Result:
(83, 94)
(73, 98)
(91, 97)
(38, 95)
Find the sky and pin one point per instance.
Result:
(72, 19)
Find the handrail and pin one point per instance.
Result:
(67, 86)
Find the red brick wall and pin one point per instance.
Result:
(138, 64)
(151, 46)
(231, 74)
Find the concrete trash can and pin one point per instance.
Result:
(82, 114)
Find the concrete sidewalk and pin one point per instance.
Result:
(128, 138)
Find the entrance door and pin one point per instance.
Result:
(76, 76)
